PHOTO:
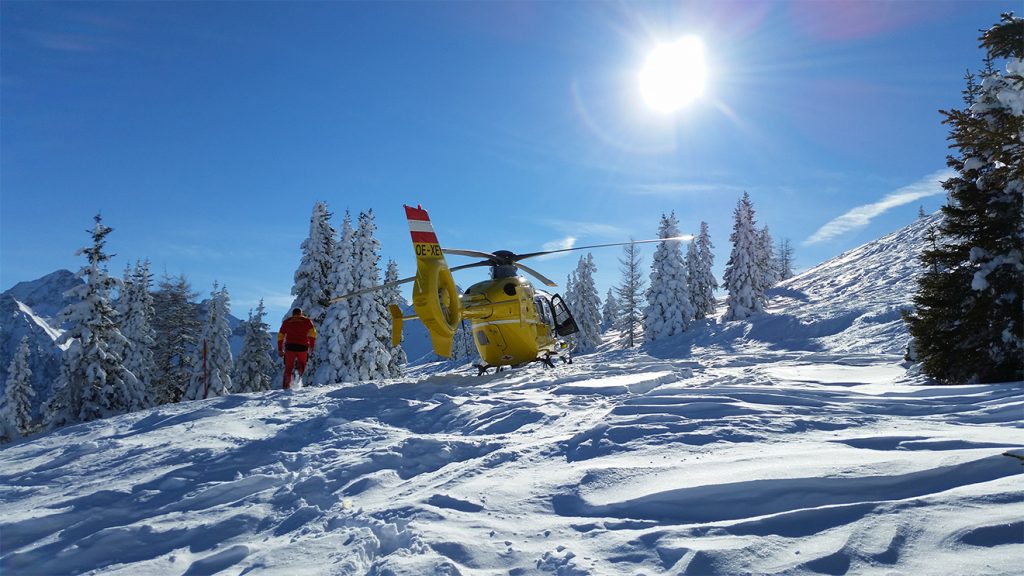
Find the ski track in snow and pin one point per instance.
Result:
(796, 443)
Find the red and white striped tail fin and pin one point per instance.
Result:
(424, 239)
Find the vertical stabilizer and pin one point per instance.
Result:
(434, 296)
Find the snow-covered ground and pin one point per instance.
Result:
(793, 443)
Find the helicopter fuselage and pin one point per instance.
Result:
(511, 321)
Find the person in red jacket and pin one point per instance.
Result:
(295, 339)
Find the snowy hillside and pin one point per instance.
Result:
(791, 443)
(30, 309)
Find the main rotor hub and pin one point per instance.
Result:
(504, 266)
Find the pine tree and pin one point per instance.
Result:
(137, 316)
(702, 281)
(784, 259)
(176, 324)
(744, 280)
(255, 368)
(630, 297)
(967, 322)
(766, 259)
(370, 319)
(16, 403)
(669, 307)
(586, 307)
(212, 363)
(392, 295)
(610, 312)
(334, 343)
(93, 382)
(312, 288)
(570, 299)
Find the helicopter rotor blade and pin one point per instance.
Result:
(545, 252)
(470, 253)
(547, 281)
(473, 265)
(371, 289)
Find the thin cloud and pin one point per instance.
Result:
(861, 216)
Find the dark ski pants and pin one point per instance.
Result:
(293, 361)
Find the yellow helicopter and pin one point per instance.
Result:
(512, 323)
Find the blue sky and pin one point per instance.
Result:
(205, 132)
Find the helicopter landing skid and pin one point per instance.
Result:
(481, 369)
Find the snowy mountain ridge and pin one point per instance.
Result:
(794, 442)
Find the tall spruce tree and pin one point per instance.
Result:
(586, 306)
(176, 323)
(392, 295)
(784, 259)
(766, 259)
(255, 368)
(371, 323)
(334, 344)
(137, 316)
(16, 403)
(630, 293)
(702, 280)
(93, 382)
(967, 319)
(610, 312)
(744, 278)
(312, 288)
(669, 307)
(213, 363)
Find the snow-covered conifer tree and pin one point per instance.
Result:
(784, 259)
(968, 323)
(176, 324)
(137, 315)
(370, 320)
(213, 363)
(744, 280)
(669, 307)
(570, 298)
(93, 382)
(255, 368)
(610, 312)
(586, 306)
(766, 259)
(393, 295)
(334, 342)
(16, 404)
(630, 297)
(312, 286)
(702, 280)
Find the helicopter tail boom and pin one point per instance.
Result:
(434, 296)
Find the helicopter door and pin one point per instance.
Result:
(564, 322)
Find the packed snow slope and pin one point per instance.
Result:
(794, 443)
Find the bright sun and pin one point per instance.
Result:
(674, 74)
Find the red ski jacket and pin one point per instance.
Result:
(297, 334)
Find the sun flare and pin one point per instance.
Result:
(674, 75)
